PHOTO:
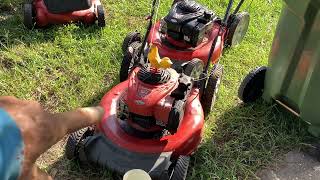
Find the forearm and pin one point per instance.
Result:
(30, 130)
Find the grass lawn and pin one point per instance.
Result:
(65, 67)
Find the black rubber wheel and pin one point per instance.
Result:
(73, 142)
(194, 68)
(128, 63)
(238, 27)
(101, 16)
(211, 90)
(129, 39)
(28, 15)
(252, 86)
(180, 169)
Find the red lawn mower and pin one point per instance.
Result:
(154, 119)
(41, 13)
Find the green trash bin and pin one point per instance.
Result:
(292, 78)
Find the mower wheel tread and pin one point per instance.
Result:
(101, 16)
(176, 1)
(135, 45)
(194, 68)
(211, 89)
(73, 142)
(127, 64)
(28, 15)
(252, 86)
(180, 169)
(129, 39)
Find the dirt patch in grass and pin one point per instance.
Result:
(50, 100)
(108, 78)
(6, 63)
(134, 21)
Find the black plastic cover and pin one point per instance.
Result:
(175, 116)
(64, 6)
(180, 94)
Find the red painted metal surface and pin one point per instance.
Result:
(184, 142)
(142, 98)
(44, 17)
(187, 53)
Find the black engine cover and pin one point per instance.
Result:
(189, 21)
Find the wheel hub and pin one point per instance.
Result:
(241, 30)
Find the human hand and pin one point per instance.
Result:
(41, 129)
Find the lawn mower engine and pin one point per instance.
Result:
(188, 22)
(153, 121)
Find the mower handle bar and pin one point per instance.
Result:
(238, 7)
(154, 3)
(227, 14)
(222, 25)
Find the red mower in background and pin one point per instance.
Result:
(41, 13)
(190, 33)
(154, 119)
